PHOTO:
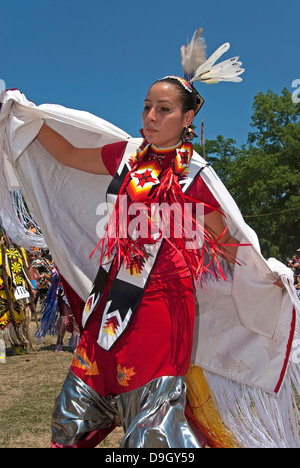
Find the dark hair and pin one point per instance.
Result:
(189, 100)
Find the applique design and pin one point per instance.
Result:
(12, 253)
(115, 320)
(183, 157)
(275, 343)
(124, 375)
(111, 326)
(3, 306)
(16, 267)
(18, 280)
(134, 271)
(81, 361)
(89, 306)
(228, 362)
(143, 179)
(95, 295)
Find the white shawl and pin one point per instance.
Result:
(245, 326)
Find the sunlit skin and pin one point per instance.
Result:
(163, 118)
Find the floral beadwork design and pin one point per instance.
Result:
(124, 375)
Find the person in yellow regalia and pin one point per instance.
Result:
(14, 299)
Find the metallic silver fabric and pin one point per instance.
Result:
(80, 410)
(152, 416)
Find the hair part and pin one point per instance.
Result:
(188, 99)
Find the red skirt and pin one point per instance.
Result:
(158, 341)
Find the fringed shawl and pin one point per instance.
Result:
(246, 329)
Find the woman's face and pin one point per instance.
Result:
(163, 119)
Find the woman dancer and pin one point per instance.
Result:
(137, 323)
(162, 326)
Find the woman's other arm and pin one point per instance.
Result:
(215, 225)
(83, 159)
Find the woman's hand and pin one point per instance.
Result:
(279, 283)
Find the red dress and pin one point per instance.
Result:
(159, 339)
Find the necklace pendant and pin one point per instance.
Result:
(143, 179)
(183, 157)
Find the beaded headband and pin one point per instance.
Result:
(183, 82)
(188, 87)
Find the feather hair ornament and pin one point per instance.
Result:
(193, 54)
(197, 68)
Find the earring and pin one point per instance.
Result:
(188, 133)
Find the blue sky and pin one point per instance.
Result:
(102, 56)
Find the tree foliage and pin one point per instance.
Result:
(263, 175)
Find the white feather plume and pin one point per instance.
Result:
(229, 70)
(197, 68)
(193, 54)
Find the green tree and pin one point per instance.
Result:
(264, 175)
(221, 153)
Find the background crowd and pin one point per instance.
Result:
(30, 287)
(294, 264)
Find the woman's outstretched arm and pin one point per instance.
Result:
(84, 159)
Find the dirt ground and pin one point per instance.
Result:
(29, 385)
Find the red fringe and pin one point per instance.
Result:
(117, 242)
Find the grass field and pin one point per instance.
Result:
(29, 385)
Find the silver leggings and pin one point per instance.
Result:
(152, 416)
